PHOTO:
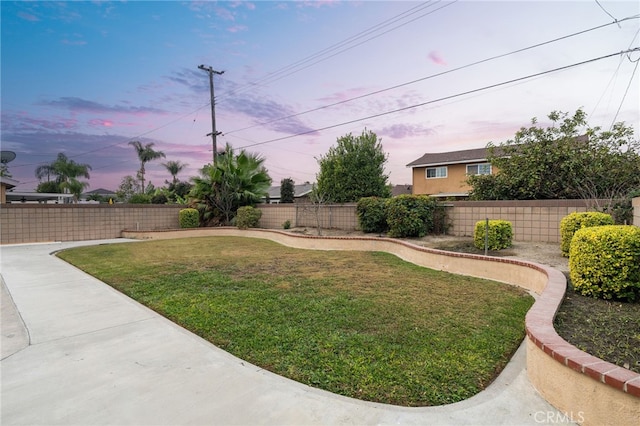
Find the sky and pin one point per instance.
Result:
(87, 77)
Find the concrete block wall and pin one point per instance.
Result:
(537, 220)
(275, 215)
(30, 223)
(531, 220)
(338, 216)
(636, 211)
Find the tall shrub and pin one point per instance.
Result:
(372, 214)
(410, 215)
(604, 262)
(499, 234)
(574, 221)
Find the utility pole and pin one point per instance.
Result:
(213, 133)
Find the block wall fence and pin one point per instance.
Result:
(536, 221)
(33, 223)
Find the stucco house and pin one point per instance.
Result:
(300, 193)
(444, 174)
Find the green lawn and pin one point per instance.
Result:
(361, 324)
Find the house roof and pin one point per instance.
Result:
(451, 157)
(466, 156)
(400, 189)
(100, 191)
(298, 191)
(8, 182)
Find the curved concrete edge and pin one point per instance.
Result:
(15, 336)
(552, 362)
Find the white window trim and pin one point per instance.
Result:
(446, 172)
(478, 165)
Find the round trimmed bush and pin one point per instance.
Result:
(574, 221)
(604, 262)
(500, 234)
(189, 218)
(248, 217)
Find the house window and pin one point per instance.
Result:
(479, 169)
(436, 172)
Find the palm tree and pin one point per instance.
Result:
(174, 167)
(145, 153)
(233, 181)
(66, 173)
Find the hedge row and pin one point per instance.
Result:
(401, 216)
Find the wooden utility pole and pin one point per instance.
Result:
(213, 133)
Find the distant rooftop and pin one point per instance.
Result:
(451, 157)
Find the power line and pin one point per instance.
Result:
(270, 78)
(383, 24)
(444, 98)
(334, 104)
(614, 76)
(625, 93)
(432, 75)
(605, 11)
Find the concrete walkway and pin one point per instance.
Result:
(77, 352)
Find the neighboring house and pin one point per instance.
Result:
(400, 190)
(300, 193)
(104, 193)
(5, 185)
(444, 174)
(8, 195)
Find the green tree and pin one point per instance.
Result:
(354, 169)
(4, 170)
(145, 153)
(235, 180)
(287, 190)
(128, 187)
(65, 173)
(50, 187)
(567, 160)
(174, 167)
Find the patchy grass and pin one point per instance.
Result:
(360, 324)
(606, 329)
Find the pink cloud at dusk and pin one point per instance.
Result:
(344, 95)
(99, 122)
(401, 131)
(436, 58)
